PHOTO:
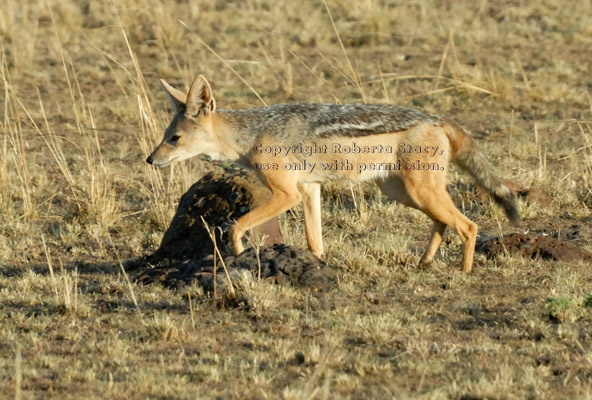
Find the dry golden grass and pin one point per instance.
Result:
(82, 109)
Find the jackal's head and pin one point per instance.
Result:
(191, 131)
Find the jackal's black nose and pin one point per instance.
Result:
(149, 159)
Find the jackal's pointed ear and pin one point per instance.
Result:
(176, 97)
(200, 98)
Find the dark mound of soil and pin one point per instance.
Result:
(532, 246)
(219, 199)
(279, 263)
(186, 253)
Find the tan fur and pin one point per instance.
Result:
(416, 178)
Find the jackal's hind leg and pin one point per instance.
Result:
(438, 229)
(430, 196)
(438, 205)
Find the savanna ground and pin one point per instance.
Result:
(82, 109)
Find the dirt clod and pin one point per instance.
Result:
(532, 246)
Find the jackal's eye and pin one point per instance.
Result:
(175, 138)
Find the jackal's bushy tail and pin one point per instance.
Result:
(466, 155)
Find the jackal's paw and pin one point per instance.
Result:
(423, 264)
(467, 271)
(462, 270)
(235, 239)
(237, 248)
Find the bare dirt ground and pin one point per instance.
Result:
(82, 109)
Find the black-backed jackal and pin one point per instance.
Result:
(295, 147)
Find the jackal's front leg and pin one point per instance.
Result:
(311, 203)
(281, 200)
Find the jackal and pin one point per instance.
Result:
(295, 147)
